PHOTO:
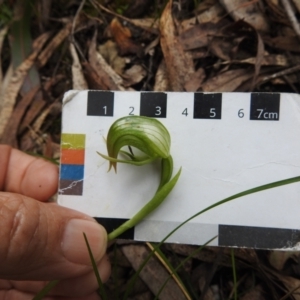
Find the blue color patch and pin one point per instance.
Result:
(71, 172)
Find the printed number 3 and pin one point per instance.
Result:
(158, 110)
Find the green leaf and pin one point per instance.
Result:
(46, 290)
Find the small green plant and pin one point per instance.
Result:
(152, 138)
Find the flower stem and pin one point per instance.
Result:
(158, 198)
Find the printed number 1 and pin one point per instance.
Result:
(105, 109)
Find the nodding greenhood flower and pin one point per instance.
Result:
(146, 134)
(152, 138)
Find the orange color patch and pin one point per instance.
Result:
(72, 156)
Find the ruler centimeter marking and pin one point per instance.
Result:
(221, 150)
(263, 106)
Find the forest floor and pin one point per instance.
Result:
(50, 47)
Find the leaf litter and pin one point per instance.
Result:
(210, 46)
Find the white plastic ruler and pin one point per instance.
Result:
(225, 143)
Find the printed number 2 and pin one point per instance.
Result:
(158, 110)
(212, 113)
(131, 112)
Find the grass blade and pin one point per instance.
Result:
(234, 274)
(163, 259)
(238, 195)
(100, 283)
(174, 271)
(46, 290)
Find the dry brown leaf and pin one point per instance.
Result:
(109, 52)
(9, 136)
(161, 78)
(277, 259)
(292, 285)
(180, 65)
(3, 32)
(297, 4)
(213, 14)
(209, 295)
(199, 35)
(221, 48)
(41, 118)
(134, 75)
(287, 43)
(153, 274)
(109, 78)
(33, 137)
(196, 81)
(207, 254)
(248, 11)
(38, 103)
(122, 36)
(256, 293)
(79, 82)
(148, 24)
(8, 99)
(142, 296)
(291, 14)
(55, 42)
(94, 81)
(268, 60)
(277, 12)
(227, 81)
(259, 58)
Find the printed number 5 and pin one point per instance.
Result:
(212, 113)
(158, 111)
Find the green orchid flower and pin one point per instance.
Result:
(152, 138)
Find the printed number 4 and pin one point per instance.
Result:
(185, 112)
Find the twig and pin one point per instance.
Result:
(72, 39)
(281, 73)
(291, 15)
(292, 86)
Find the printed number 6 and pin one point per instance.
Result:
(158, 110)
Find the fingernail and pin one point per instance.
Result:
(73, 243)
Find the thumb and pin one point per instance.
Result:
(41, 241)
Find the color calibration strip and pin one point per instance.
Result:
(72, 164)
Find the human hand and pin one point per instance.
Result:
(43, 241)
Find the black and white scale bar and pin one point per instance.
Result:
(263, 106)
(258, 237)
(110, 224)
(222, 235)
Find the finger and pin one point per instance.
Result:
(42, 241)
(27, 175)
(75, 287)
(17, 295)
